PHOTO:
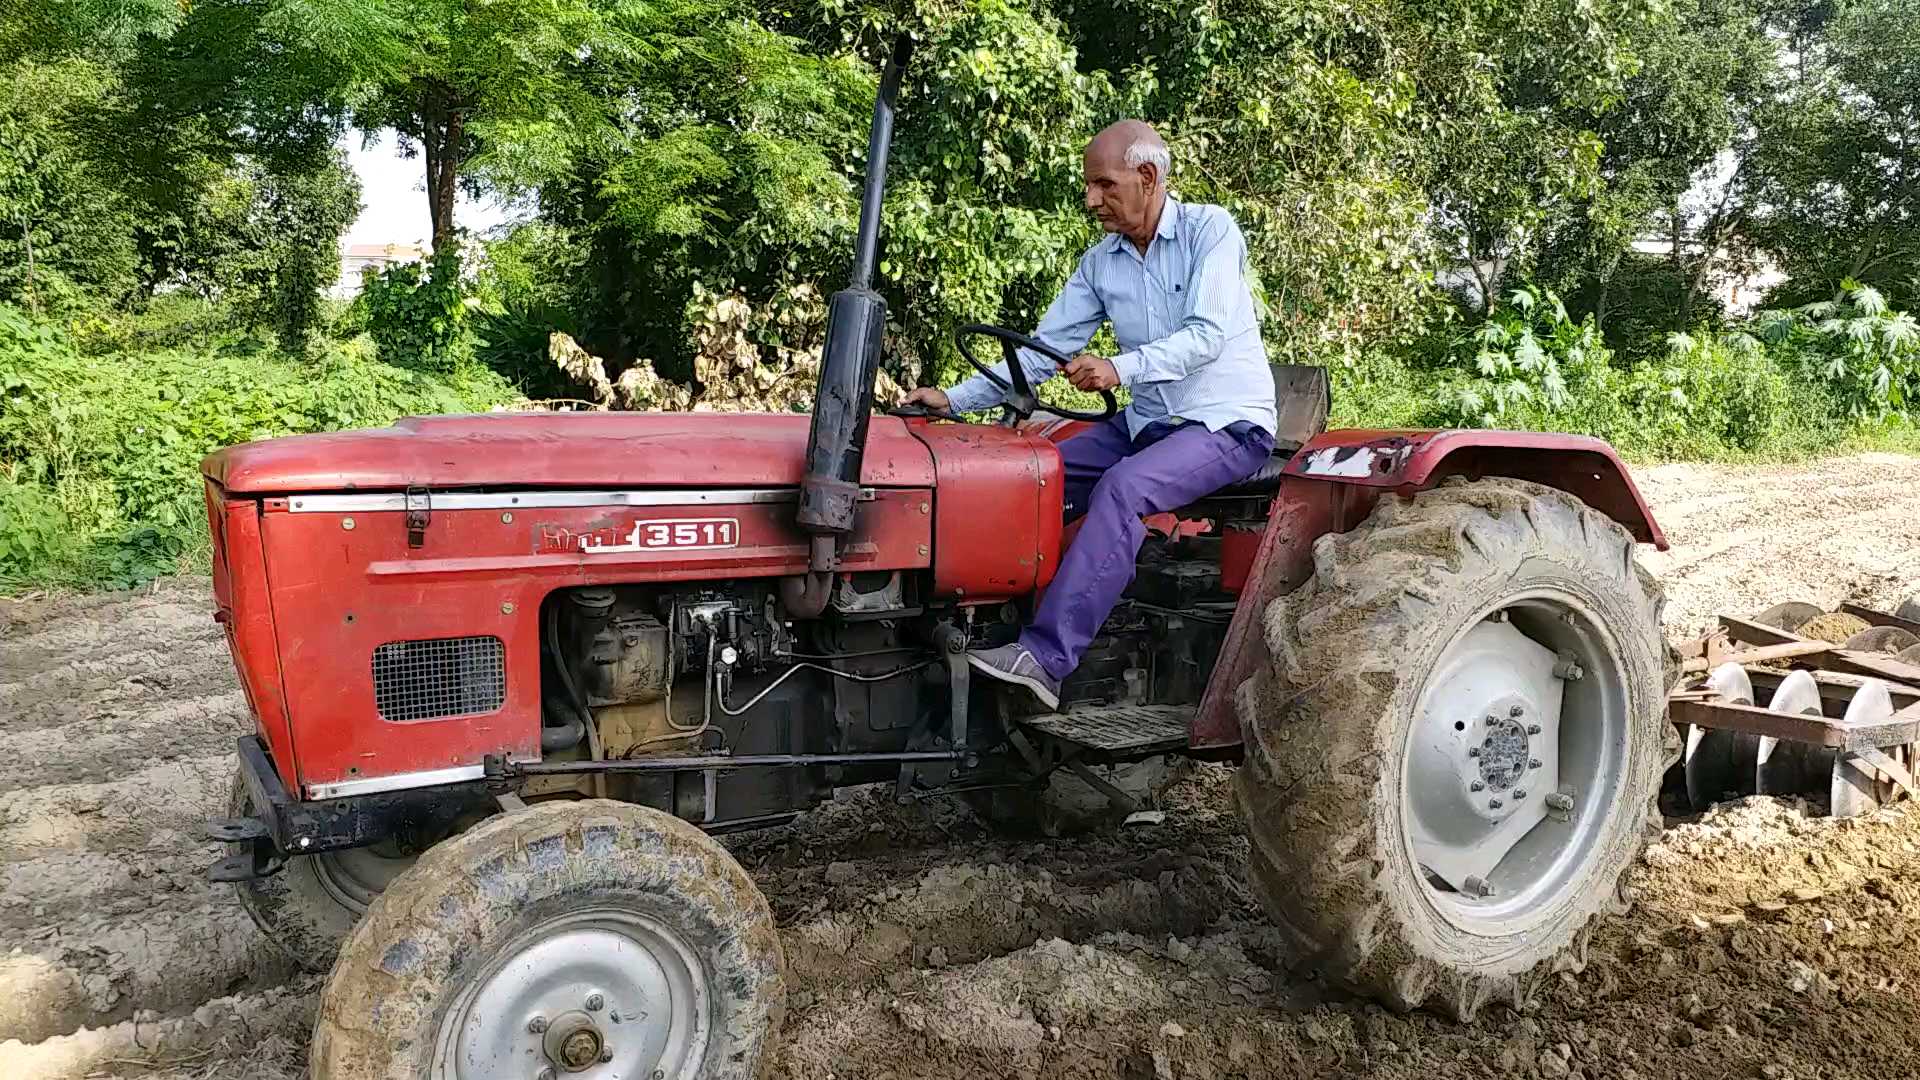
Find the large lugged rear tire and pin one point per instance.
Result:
(590, 936)
(1417, 686)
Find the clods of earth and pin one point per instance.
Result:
(1765, 942)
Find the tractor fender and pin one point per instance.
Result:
(1332, 483)
(1408, 461)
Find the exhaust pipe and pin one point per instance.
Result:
(850, 359)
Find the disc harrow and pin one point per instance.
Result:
(1775, 705)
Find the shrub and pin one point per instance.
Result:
(113, 459)
(416, 313)
(1867, 354)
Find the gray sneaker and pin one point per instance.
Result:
(1014, 664)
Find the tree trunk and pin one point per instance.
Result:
(442, 130)
(1606, 289)
(1486, 285)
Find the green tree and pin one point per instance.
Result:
(1836, 184)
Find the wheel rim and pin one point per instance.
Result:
(1515, 757)
(597, 993)
(355, 876)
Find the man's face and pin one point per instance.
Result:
(1118, 197)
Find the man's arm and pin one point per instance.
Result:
(1215, 283)
(1067, 326)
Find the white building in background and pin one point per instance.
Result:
(355, 259)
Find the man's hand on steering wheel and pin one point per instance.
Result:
(1091, 373)
(931, 398)
(1095, 373)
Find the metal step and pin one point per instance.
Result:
(1117, 728)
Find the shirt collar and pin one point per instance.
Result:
(1168, 229)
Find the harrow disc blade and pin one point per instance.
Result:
(1852, 784)
(1789, 616)
(1882, 639)
(1720, 763)
(1782, 766)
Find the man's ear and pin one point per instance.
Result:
(1149, 176)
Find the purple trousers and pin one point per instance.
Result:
(1115, 480)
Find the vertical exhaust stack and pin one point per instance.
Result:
(849, 363)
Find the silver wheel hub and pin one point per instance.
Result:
(600, 993)
(1494, 812)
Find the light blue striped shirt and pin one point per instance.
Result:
(1183, 315)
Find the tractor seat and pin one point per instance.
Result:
(1301, 397)
(1264, 482)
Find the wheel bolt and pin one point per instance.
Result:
(606, 1055)
(537, 1025)
(1516, 711)
(1533, 763)
(1533, 729)
(1476, 786)
(543, 1074)
(1494, 804)
(1473, 751)
(594, 1002)
(1519, 793)
(1560, 801)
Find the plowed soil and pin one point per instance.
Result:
(1766, 943)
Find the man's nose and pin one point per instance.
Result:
(1092, 196)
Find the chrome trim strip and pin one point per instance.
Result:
(535, 500)
(397, 782)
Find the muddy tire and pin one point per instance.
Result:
(634, 938)
(1403, 705)
(307, 909)
(1067, 805)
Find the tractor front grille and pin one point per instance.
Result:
(423, 680)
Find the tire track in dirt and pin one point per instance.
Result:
(922, 946)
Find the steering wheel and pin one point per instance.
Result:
(1020, 401)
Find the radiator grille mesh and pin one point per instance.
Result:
(421, 680)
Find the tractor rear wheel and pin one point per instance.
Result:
(590, 937)
(311, 905)
(1453, 753)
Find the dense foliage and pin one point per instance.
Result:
(99, 473)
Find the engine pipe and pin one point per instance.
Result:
(850, 359)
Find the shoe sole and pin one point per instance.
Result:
(1034, 686)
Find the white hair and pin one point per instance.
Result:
(1150, 152)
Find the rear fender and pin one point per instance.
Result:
(1331, 485)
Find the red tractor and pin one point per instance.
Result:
(511, 672)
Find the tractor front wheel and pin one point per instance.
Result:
(590, 937)
(311, 905)
(1454, 751)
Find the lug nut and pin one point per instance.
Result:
(1516, 711)
(1519, 793)
(537, 1025)
(1473, 751)
(1559, 800)
(606, 1055)
(1475, 885)
(1476, 786)
(1494, 804)
(1533, 729)
(543, 1074)
(1533, 763)
(594, 1002)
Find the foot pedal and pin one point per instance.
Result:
(1118, 729)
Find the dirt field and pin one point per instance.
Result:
(920, 947)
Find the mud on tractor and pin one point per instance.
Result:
(512, 672)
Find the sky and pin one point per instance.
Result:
(393, 193)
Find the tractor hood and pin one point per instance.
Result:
(597, 450)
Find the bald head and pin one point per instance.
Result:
(1125, 172)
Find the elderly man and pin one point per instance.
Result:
(1172, 278)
